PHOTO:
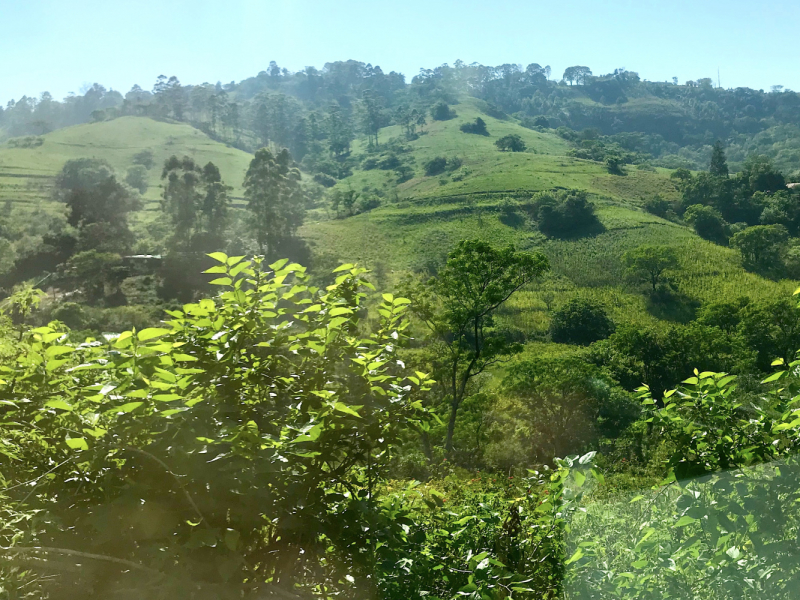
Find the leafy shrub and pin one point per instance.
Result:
(442, 112)
(478, 127)
(453, 164)
(144, 158)
(541, 121)
(324, 180)
(297, 390)
(707, 222)
(580, 322)
(658, 206)
(31, 141)
(564, 213)
(511, 143)
(369, 163)
(435, 166)
(365, 204)
(136, 177)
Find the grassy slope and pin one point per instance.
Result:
(428, 220)
(26, 173)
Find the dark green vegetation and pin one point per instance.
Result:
(472, 423)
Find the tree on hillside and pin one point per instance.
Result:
(98, 204)
(707, 222)
(195, 198)
(478, 127)
(649, 263)
(761, 246)
(580, 322)
(458, 306)
(339, 132)
(274, 197)
(577, 74)
(371, 115)
(511, 143)
(442, 112)
(719, 165)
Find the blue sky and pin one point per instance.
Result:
(60, 46)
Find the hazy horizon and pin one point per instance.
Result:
(68, 48)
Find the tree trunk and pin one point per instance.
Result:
(451, 426)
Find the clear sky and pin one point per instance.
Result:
(60, 46)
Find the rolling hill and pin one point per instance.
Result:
(416, 227)
(26, 174)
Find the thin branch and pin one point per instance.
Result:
(39, 477)
(67, 552)
(177, 479)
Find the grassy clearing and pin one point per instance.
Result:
(26, 173)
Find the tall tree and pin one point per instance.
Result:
(719, 165)
(458, 307)
(649, 263)
(195, 198)
(339, 132)
(98, 204)
(272, 189)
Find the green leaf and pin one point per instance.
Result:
(151, 333)
(340, 310)
(77, 443)
(221, 281)
(579, 478)
(219, 256)
(342, 407)
(577, 556)
(345, 267)
(129, 407)
(60, 404)
(774, 376)
(685, 520)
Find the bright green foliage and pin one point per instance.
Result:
(649, 263)
(458, 307)
(274, 197)
(729, 533)
(707, 222)
(581, 322)
(238, 447)
(761, 246)
(498, 538)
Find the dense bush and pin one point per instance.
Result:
(564, 213)
(511, 143)
(708, 223)
(580, 322)
(442, 112)
(435, 166)
(478, 127)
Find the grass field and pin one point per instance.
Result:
(26, 174)
(428, 215)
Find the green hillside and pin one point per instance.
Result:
(414, 229)
(26, 173)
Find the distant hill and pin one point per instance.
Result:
(421, 219)
(26, 173)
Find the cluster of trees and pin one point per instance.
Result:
(753, 211)
(93, 247)
(563, 213)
